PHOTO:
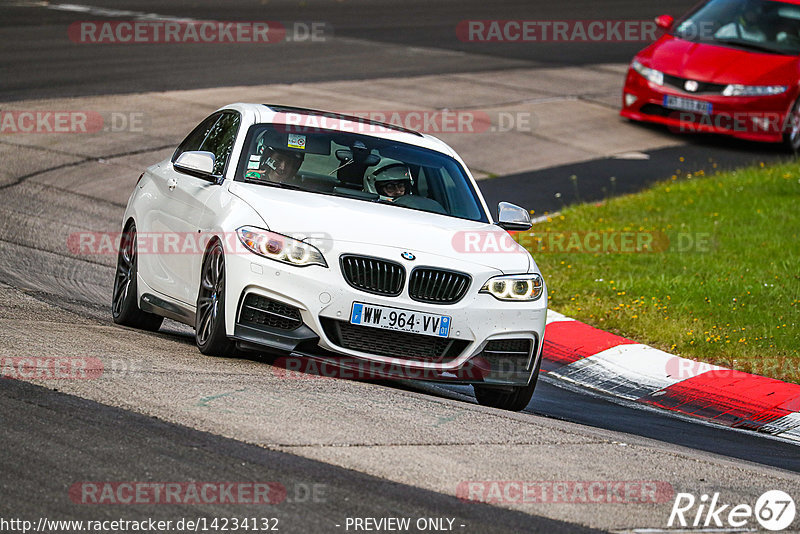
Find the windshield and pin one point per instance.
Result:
(359, 167)
(762, 25)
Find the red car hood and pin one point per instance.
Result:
(719, 64)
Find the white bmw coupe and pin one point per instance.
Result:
(325, 236)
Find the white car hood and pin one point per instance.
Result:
(338, 221)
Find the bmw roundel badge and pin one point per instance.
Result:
(408, 256)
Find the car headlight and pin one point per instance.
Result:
(653, 75)
(524, 287)
(279, 247)
(754, 90)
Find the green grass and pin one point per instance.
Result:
(731, 300)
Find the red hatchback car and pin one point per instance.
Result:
(729, 67)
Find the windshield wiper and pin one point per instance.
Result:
(751, 45)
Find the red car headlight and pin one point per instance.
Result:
(754, 90)
(652, 75)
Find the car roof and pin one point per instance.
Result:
(340, 116)
(331, 120)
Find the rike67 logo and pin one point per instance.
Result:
(774, 510)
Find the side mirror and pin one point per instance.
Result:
(196, 162)
(665, 22)
(513, 218)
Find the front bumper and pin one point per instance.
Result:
(323, 302)
(761, 119)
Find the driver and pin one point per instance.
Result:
(392, 182)
(746, 26)
(278, 165)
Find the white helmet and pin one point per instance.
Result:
(394, 177)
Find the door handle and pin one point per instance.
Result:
(172, 183)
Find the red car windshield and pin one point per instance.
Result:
(759, 25)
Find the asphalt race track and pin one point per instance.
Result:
(84, 438)
(371, 39)
(162, 412)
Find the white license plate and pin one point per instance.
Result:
(687, 104)
(400, 320)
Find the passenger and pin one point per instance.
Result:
(392, 182)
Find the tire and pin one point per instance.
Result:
(512, 398)
(791, 139)
(209, 328)
(124, 306)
